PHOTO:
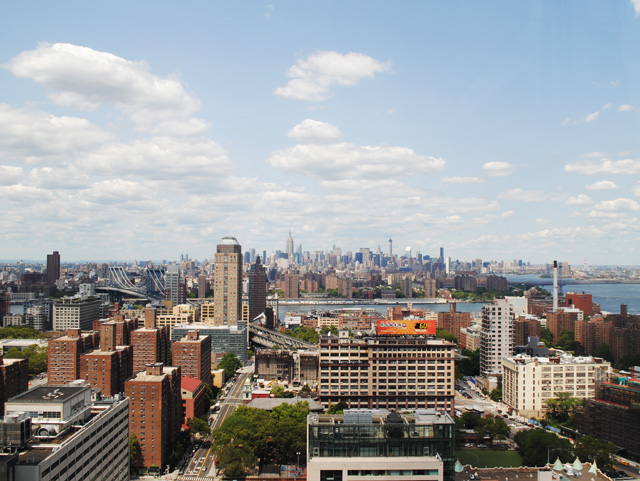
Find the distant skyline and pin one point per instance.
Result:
(500, 130)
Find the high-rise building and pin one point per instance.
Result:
(227, 282)
(151, 344)
(257, 290)
(192, 354)
(387, 372)
(64, 355)
(562, 320)
(155, 402)
(289, 248)
(292, 286)
(454, 321)
(53, 267)
(203, 286)
(430, 290)
(497, 336)
(14, 378)
(175, 288)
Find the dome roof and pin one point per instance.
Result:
(229, 241)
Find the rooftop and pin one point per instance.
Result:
(48, 393)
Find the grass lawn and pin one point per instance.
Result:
(486, 458)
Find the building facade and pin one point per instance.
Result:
(227, 283)
(387, 372)
(257, 290)
(192, 354)
(528, 382)
(75, 313)
(496, 336)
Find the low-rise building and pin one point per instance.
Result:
(528, 382)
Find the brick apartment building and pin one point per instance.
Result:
(192, 354)
(64, 355)
(151, 344)
(454, 321)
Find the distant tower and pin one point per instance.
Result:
(289, 248)
(390, 248)
(53, 267)
(227, 278)
(257, 290)
(441, 255)
(175, 288)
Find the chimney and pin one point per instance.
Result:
(623, 310)
(192, 335)
(154, 369)
(74, 333)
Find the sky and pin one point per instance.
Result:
(498, 130)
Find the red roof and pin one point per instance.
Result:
(190, 384)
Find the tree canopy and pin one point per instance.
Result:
(21, 332)
(251, 435)
(562, 408)
(37, 356)
(230, 364)
(538, 446)
(199, 427)
(304, 334)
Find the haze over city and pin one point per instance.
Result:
(501, 130)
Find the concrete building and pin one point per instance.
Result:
(61, 434)
(295, 367)
(192, 354)
(496, 337)
(386, 445)
(75, 313)
(151, 344)
(528, 382)
(227, 283)
(175, 287)
(64, 355)
(470, 337)
(387, 372)
(156, 412)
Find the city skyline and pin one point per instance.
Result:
(498, 130)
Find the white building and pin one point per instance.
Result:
(71, 436)
(496, 336)
(527, 382)
(75, 313)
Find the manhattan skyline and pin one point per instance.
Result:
(498, 130)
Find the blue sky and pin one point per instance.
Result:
(499, 130)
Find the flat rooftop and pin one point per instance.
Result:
(48, 393)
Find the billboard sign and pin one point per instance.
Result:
(411, 327)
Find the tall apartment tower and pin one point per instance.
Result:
(175, 288)
(64, 356)
(192, 354)
(227, 283)
(257, 290)
(108, 367)
(496, 337)
(154, 403)
(53, 267)
(151, 344)
(292, 286)
(203, 286)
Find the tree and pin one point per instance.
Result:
(590, 448)
(604, 351)
(199, 427)
(279, 392)
(134, 449)
(562, 408)
(629, 360)
(493, 427)
(333, 330)
(230, 364)
(538, 446)
(37, 356)
(21, 332)
(469, 365)
(337, 408)
(496, 394)
(546, 336)
(306, 388)
(446, 335)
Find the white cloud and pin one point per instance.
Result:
(636, 189)
(346, 160)
(592, 117)
(618, 204)
(626, 107)
(31, 134)
(607, 106)
(66, 177)
(10, 175)
(636, 6)
(605, 166)
(519, 194)
(581, 199)
(498, 169)
(314, 131)
(313, 77)
(158, 158)
(86, 78)
(462, 180)
(602, 185)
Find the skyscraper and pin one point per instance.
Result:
(53, 267)
(227, 283)
(175, 288)
(257, 290)
(289, 248)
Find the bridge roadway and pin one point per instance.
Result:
(269, 338)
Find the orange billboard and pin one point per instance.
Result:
(412, 327)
